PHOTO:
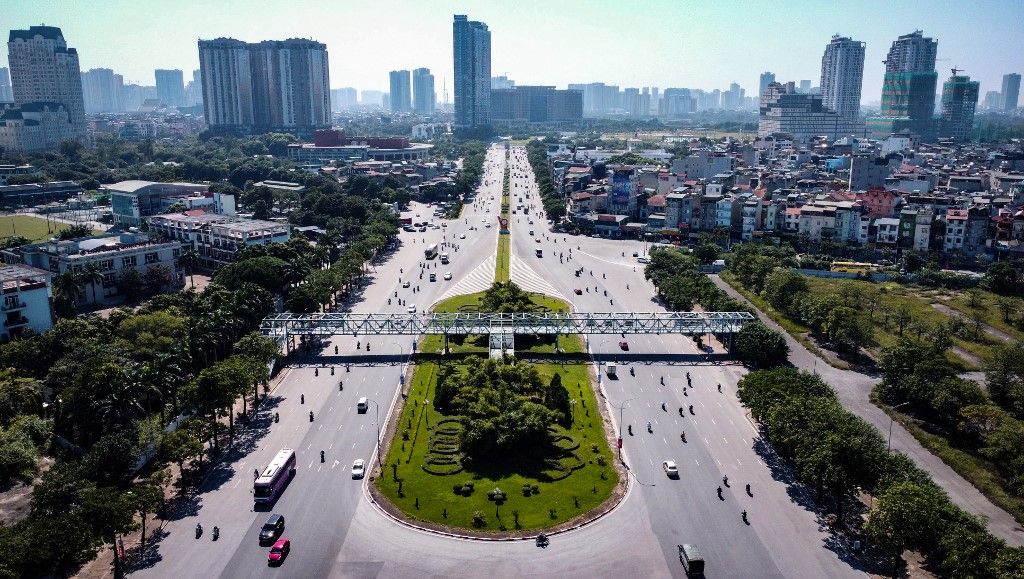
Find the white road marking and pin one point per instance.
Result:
(706, 443)
(353, 445)
(713, 421)
(311, 463)
(696, 461)
(726, 440)
(739, 462)
(330, 446)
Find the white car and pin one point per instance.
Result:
(406, 283)
(643, 259)
(447, 275)
(358, 468)
(487, 225)
(462, 236)
(671, 471)
(412, 308)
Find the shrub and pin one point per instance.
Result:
(479, 520)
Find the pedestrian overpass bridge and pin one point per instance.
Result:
(503, 327)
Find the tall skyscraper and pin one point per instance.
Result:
(170, 87)
(424, 99)
(45, 70)
(101, 91)
(766, 79)
(1011, 91)
(959, 101)
(908, 89)
(6, 93)
(842, 74)
(343, 98)
(270, 85)
(472, 55)
(400, 92)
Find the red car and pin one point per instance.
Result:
(624, 345)
(279, 551)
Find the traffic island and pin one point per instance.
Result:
(499, 448)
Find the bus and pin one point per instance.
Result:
(853, 267)
(431, 252)
(273, 478)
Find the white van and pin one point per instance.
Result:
(362, 405)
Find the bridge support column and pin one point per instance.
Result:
(446, 343)
(557, 349)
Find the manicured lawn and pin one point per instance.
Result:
(578, 481)
(501, 268)
(33, 228)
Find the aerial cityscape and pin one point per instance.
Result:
(280, 293)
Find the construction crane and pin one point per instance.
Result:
(956, 70)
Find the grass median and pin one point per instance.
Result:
(423, 475)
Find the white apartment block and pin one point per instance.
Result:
(26, 300)
(218, 238)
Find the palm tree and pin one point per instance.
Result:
(68, 286)
(92, 274)
(188, 260)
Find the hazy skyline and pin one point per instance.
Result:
(659, 43)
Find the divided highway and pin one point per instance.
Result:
(337, 532)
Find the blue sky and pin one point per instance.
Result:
(682, 43)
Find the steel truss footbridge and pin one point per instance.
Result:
(502, 327)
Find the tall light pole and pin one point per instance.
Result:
(888, 444)
(377, 411)
(622, 408)
(601, 362)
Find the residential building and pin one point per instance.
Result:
(344, 98)
(194, 89)
(170, 87)
(34, 127)
(842, 73)
(766, 79)
(536, 104)
(1009, 94)
(101, 90)
(992, 101)
(472, 56)
(502, 82)
(401, 91)
(423, 96)
(869, 172)
(373, 98)
(956, 230)
(333, 145)
(27, 300)
(6, 92)
(217, 238)
(959, 101)
(45, 70)
(817, 222)
(703, 164)
(887, 231)
(802, 116)
(908, 88)
(270, 85)
(155, 260)
(131, 201)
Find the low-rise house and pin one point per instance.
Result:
(27, 300)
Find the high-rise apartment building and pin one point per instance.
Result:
(502, 82)
(472, 55)
(536, 104)
(101, 90)
(45, 70)
(842, 74)
(805, 86)
(1011, 91)
(194, 89)
(373, 98)
(400, 92)
(6, 93)
(908, 89)
(343, 98)
(959, 101)
(766, 79)
(424, 99)
(170, 87)
(270, 85)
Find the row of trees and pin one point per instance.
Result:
(681, 285)
(554, 203)
(839, 454)
(918, 376)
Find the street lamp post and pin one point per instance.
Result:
(622, 408)
(377, 414)
(601, 362)
(888, 444)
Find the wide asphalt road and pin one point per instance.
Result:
(337, 532)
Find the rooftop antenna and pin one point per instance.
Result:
(956, 70)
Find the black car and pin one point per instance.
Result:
(272, 529)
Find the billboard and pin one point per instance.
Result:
(622, 186)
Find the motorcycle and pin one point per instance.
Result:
(311, 416)
(680, 411)
(335, 349)
(632, 372)
(199, 530)
(316, 371)
(216, 532)
(682, 436)
(725, 480)
(332, 370)
(649, 429)
(277, 417)
(630, 429)
(321, 456)
(691, 409)
(748, 490)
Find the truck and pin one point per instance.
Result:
(692, 560)
(611, 369)
(431, 251)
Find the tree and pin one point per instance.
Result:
(1003, 278)
(67, 289)
(130, 283)
(706, 251)
(189, 260)
(783, 288)
(179, 446)
(760, 346)
(92, 274)
(260, 210)
(904, 518)
(147, 498)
